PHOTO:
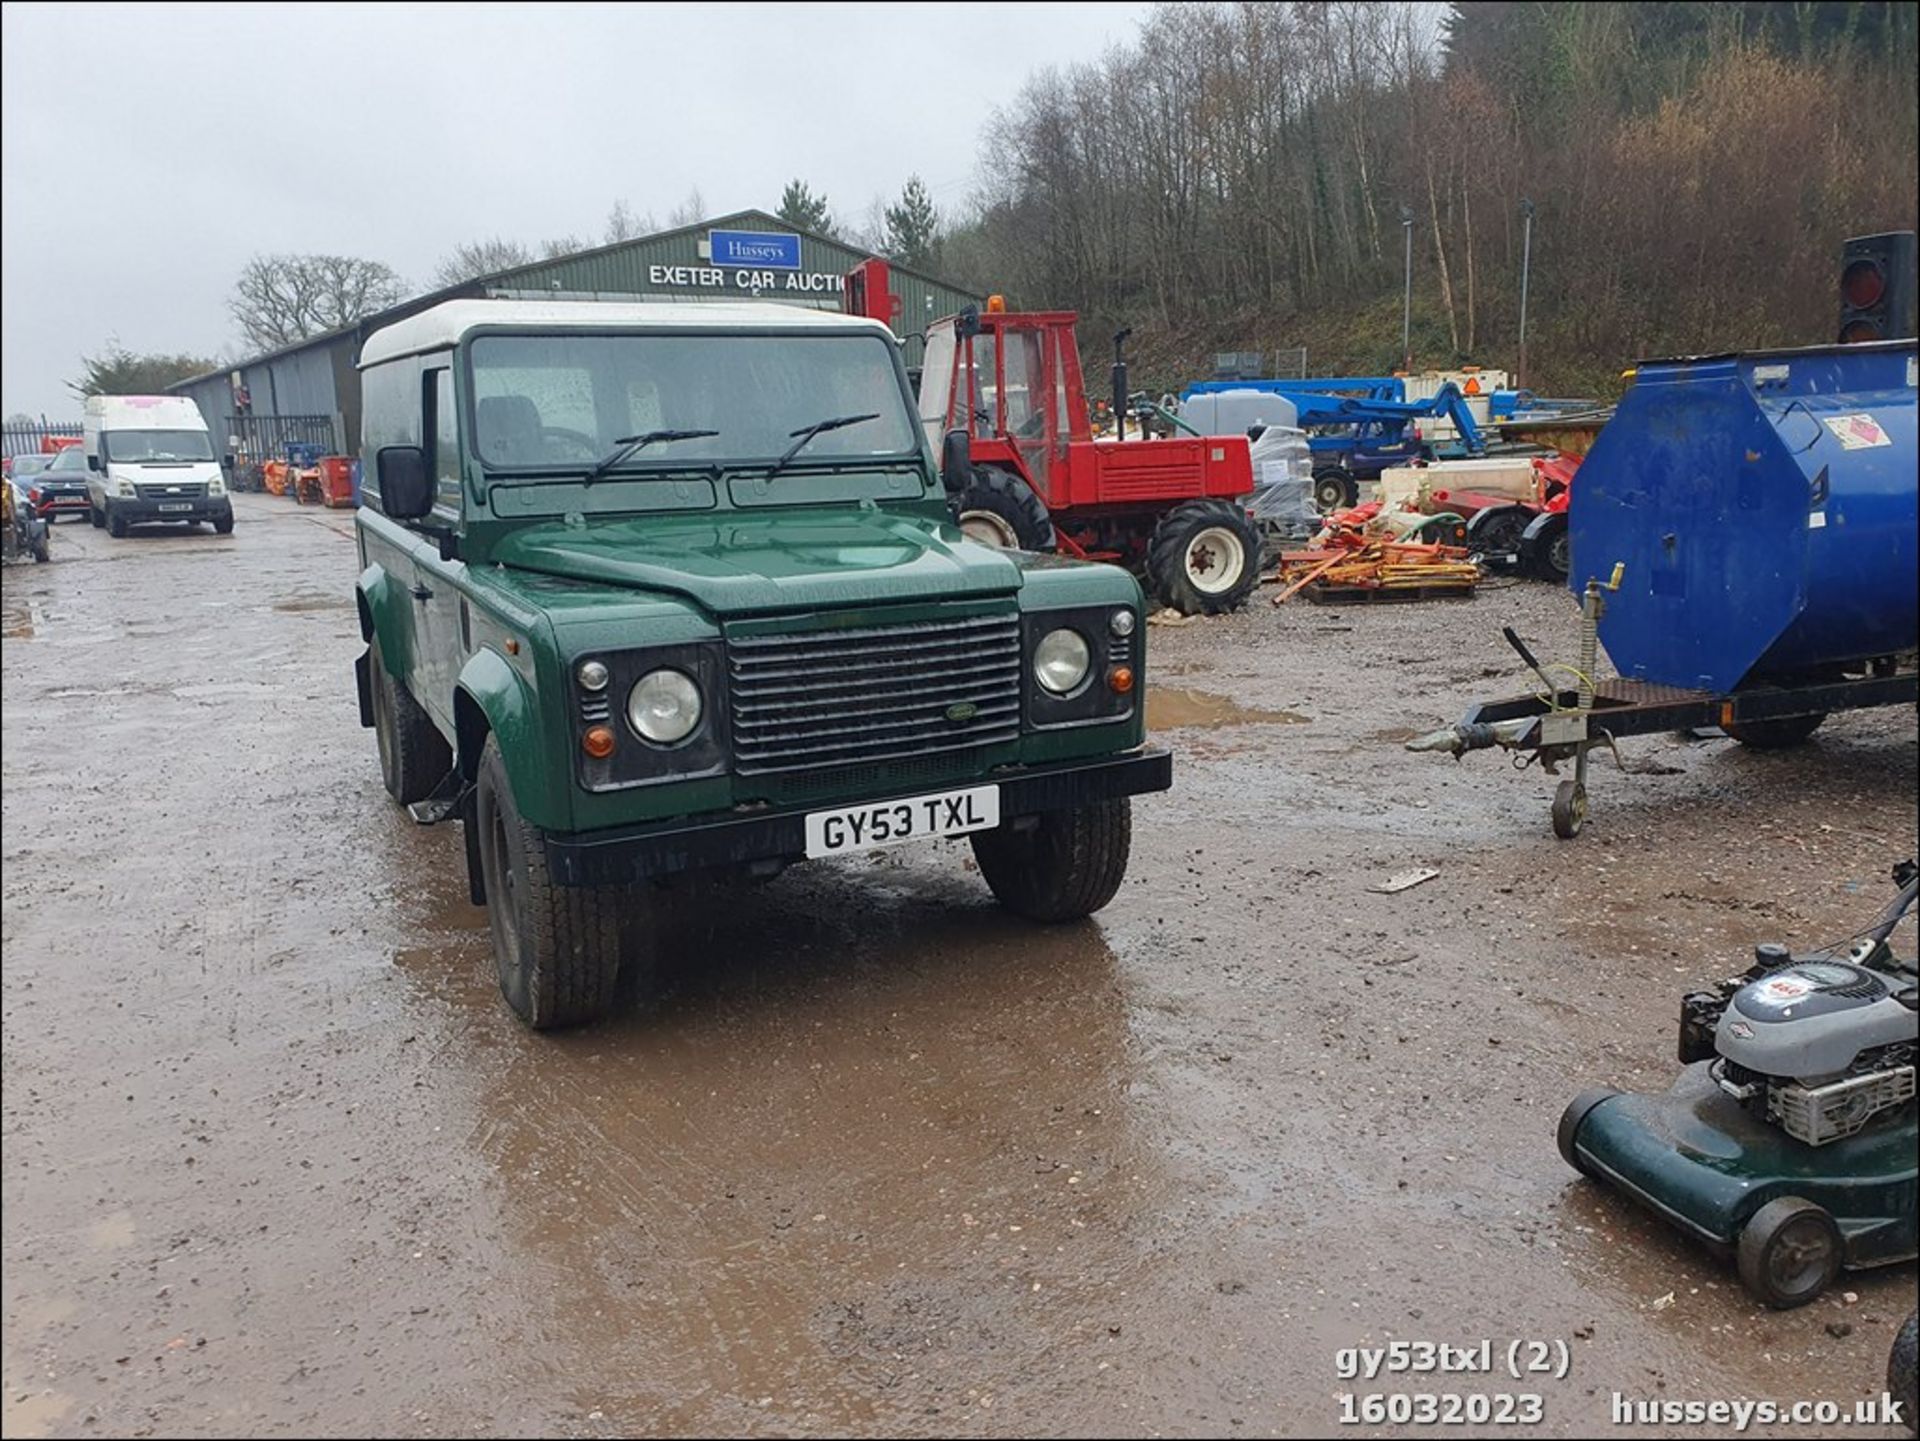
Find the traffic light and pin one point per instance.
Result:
(1876, 287)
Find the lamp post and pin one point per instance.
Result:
(1526, 266)
(1406, 306)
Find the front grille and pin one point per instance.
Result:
(836, 698)
(172, 490)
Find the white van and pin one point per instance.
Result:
(149, 458)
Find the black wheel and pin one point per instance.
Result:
(116, 524)
(1066, 866)
(94, 515)
(223, 524)
(1569, 809)
(1790, 1251)
(557, 947)
(40, 551)
(1549, 555)
(1334, 489)
(1902, 1382)
(1568, 1130)
(1498, 532)
(1776, 735)
(1000, 509)
(1204, 557)
(414, 756)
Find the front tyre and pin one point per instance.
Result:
(1204, 558)
(557, 947)
(223, 524)
(1065, 866)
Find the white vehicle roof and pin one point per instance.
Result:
(144, 412)
(446, 323)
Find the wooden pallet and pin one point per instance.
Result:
(1380, 595)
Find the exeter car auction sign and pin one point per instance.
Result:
(752, 262)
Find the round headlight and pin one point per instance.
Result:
(1060, 660)
(592, 675)
(1121, 622)
(664, 706)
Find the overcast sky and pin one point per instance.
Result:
(150, 150)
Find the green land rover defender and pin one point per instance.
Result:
(649, 589)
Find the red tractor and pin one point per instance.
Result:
(1172, 510)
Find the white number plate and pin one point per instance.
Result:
(890, 823)
(176, 505)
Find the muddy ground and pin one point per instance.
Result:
(883, 1160)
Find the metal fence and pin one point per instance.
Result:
(31, 439)
(254, 439)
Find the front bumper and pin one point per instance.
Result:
(72, 501)
(664, 848)
(139, 511)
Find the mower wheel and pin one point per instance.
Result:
(1903, 1384)
(1790, 1251)
(1776, 735)
(1568, 1130)
(998, 508)
(1569, 809)
(1204, 558)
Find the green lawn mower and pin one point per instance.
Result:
(1788, 1141)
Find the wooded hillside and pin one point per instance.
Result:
(1237, 178)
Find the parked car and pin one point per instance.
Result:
(19, 467)
(57, 488)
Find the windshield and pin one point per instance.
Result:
(137, 446)
(566, 401)
(33, 464)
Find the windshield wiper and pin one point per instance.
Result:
(807, 432)
(626, 445)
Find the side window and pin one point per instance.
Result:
(446, 441)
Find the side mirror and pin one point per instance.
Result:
(226, 460)
(93, 462)
(406, 490)
(956, 461)
(967, 323)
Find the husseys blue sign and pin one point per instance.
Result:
(755, 249)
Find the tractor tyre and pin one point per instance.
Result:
(998, 508)
(1547, 552)
(1204, 558)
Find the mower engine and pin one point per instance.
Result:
(1816, 1045)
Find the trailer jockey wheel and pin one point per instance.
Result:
(1334, 489)
(999, 509)
(1204, 558)
(1569, 809)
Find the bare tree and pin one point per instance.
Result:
(624, 224)
(480, 257)
(690, 211)
(281, 299)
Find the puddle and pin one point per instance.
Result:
(1172, 709)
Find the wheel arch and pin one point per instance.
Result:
(492, 698)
